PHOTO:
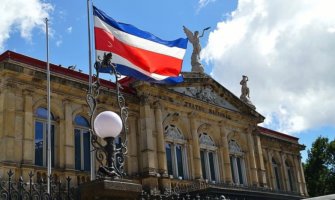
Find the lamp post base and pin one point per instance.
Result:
(110, 189)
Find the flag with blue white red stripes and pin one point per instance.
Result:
(138, 53)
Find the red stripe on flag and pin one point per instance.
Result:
(147, 60)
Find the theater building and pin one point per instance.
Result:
(196, 134)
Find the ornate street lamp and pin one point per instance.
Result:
(108, 125)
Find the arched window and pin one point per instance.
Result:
(237, 164)
(41, 137)
(175, 152)
(276, 174)
(82, 144)
(290, 176)
(208, 155)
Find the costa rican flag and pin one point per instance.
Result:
(137, 53)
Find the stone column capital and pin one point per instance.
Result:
(158, 105)
(144, 100)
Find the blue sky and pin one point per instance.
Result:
(287, 52)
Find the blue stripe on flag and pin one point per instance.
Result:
(181, 42)
(124, 70)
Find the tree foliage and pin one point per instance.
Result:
(320, 167)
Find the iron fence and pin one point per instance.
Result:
(21, 190)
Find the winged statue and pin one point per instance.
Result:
(194, 39)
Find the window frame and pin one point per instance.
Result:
(238, 170)
(276, 174)
(176, 139)
(44, 121)
(207, 146)
(82, 130)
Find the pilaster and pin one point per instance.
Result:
(146, 137)
(226, 160)
(254, 176)
(162, 166)
(132, 146)
(263, 182)
(284, 171)
(67, 159)
(8, 140)
(195, 146)
(28, 128)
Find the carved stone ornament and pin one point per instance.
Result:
(206, 140)
(173, 132)
(206, 94)
(204, 128)
(234, 148)
(171, 118)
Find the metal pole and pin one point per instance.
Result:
(49, 110)
(90, 83)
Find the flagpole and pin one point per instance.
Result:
(90, 83)
(49, 111)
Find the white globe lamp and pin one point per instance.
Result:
(108, 124)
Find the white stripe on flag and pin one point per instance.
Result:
(122, 61)
(140, 42)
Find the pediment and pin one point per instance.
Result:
(205, 93)
(204, 88)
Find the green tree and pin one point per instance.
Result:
(320, 167)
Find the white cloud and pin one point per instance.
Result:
(69, 29)
(287, 49)
(204, 3)
(59, 42)
(22, 16)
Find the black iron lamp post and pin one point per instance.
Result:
(108, 125)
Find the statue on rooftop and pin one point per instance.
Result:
(194, 39)
(245, 93)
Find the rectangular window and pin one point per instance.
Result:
(169, 158)
(52, 145)
(239, 169)
(290, 179)
(232, 169)
(77, 149)
(203, 164)
(39, 143)
(277, 177)
(211, 165)
(179, 153)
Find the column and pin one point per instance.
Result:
(132, 146)
(226, 160)
(195, 146)
(146, 137)
(261, 161)
(28, 128)
(162, 166)
(67, 158)
(254, 176)
(303, 181)
(8, 140)
(286, 182)
(271, 173)
(297, 170)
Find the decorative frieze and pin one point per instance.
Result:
(206, 94)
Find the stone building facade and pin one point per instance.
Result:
(196, 134)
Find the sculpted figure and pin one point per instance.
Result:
(244, 89)
(245, 92)
(194, 39)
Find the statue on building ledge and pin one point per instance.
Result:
(194, 39)
(245, 93)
